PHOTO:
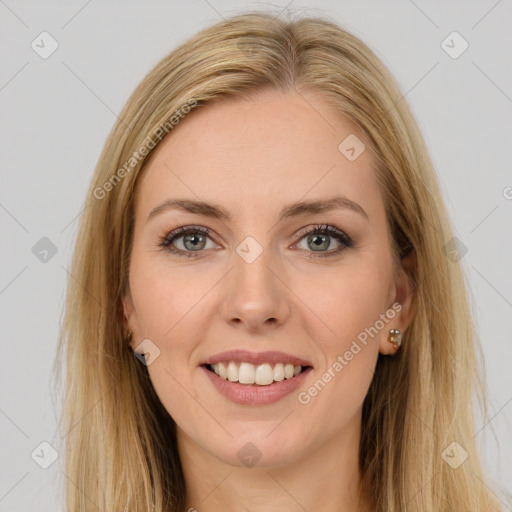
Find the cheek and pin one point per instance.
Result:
(165, 296)
(167, 303)
(345, 301)
(348, 304)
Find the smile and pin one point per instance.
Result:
(261, 375)
(255, 379)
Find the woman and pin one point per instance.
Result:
(265, 234)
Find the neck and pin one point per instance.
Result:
(326, 474)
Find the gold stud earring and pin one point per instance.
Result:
(129, 337)
(395, 337)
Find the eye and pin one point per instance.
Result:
(192, 239)
(320, 237)
(189, 241)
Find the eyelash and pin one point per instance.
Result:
(318, 229)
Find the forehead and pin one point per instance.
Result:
(246, 153)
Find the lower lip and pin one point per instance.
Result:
(253, 394)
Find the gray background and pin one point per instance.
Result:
(57, 112)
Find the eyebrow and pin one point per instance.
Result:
(292, 210)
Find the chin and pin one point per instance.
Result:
(259, 449)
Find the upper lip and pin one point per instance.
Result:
(245, 356)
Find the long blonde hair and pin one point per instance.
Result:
(120, 443)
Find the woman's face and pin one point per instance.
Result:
(258, 284)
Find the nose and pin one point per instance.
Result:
(255, 297)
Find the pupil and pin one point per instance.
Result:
(318, 240)
(194, 239)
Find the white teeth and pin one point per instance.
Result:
(262, 375)
(246, 373)
(279, 372)
(288, 371)
(223, 372)
(232, 373)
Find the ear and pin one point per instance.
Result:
(129, 319)
(402, 301)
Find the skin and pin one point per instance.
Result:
(253, 157)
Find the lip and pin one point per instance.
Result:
(244, 356)
(252, 394)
